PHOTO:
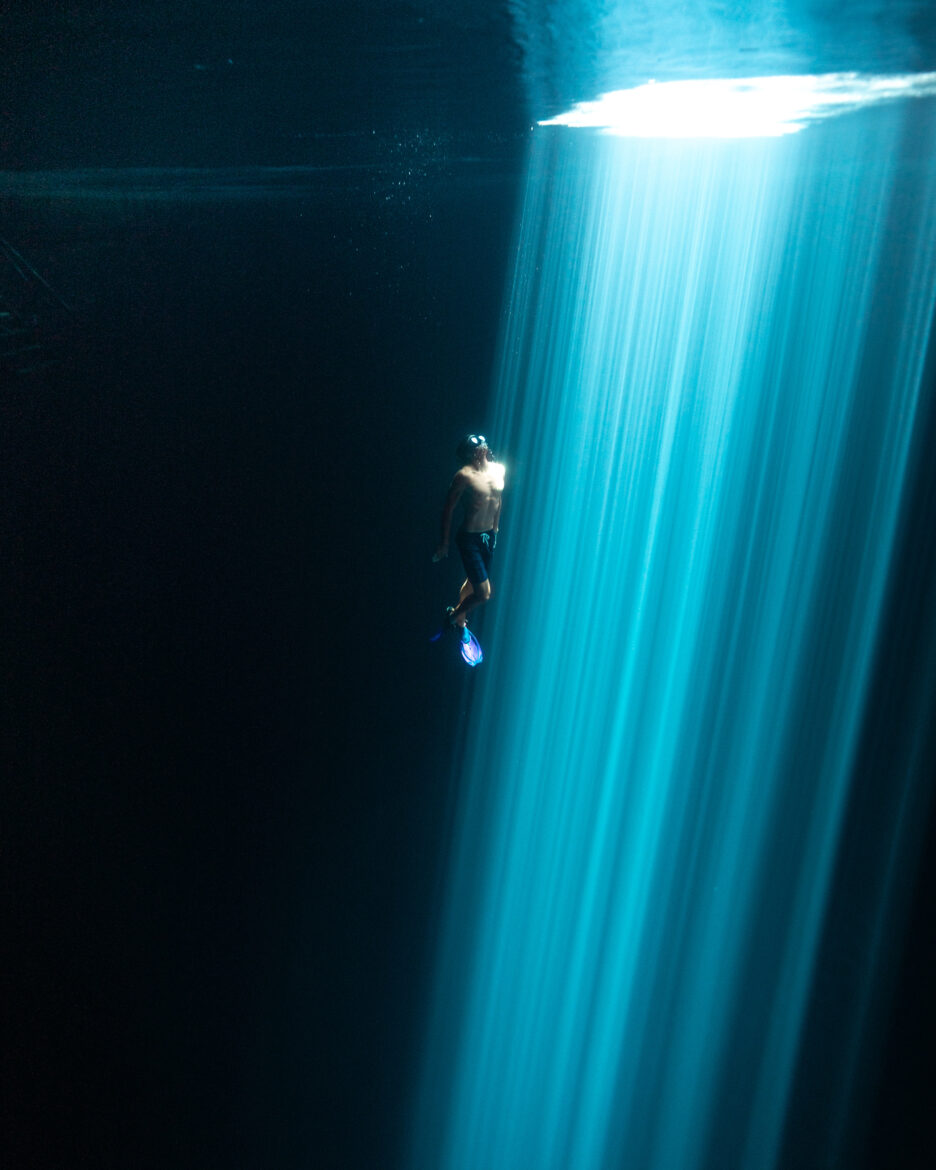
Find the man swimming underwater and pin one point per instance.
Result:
(481, 482)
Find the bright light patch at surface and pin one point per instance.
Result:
(710, 377)
(742, 107)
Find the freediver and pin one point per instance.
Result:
(479, 483)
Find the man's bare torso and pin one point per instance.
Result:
(482, 499)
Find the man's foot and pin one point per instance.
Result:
(464, 634)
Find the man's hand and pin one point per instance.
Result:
(440, 554)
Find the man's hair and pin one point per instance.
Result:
(469, 445)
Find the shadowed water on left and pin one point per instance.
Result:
(225, 722)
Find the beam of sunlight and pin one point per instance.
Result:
(739, 107)
(710, 374)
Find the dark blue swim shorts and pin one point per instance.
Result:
(476, 549)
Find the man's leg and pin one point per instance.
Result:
(466, 591)
(467, 601)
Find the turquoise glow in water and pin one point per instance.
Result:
(711, 371)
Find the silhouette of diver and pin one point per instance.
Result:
(479, 485)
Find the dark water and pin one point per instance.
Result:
(230, 744)
(231, 737)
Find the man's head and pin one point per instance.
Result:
(473, 449)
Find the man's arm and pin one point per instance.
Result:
(451, 500)
(500, 499)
